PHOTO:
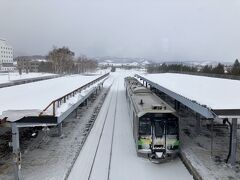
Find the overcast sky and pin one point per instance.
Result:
(160, 29)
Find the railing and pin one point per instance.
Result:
(57, 102)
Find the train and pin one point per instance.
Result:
(155, 124)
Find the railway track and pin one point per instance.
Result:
(99, 140)
(88, 128)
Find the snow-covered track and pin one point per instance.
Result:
(88, 127)
(99, 140)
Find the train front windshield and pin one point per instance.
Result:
(165, 124)
(144, 127)
(161, 124)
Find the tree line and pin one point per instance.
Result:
(219, 69)
(63, 61)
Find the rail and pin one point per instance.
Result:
(57, 102)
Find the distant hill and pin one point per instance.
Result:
(123, 61)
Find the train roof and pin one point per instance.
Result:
(145, 101)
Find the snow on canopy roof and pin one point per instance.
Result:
(34, 97)
(215, 93)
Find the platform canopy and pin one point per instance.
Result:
(30, 99)
(220, 95)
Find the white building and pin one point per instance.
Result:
(6, 57)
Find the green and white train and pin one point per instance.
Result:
(155, 124)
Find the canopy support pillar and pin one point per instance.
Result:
(16, 152)
(59, 127)
(212, 138)
(233, 151)
(198, 124)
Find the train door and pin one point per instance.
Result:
(159, 137)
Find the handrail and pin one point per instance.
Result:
(57, 102)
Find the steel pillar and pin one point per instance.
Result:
(176, 105)
(16, 152)
(198, 124)
(59, 126)
(212, 137)
(232, 159)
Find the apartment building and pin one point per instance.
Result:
(6, 57)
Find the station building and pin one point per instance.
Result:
(6, 56)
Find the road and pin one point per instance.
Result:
(109, 152)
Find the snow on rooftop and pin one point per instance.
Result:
(34, 97)
(216, 93)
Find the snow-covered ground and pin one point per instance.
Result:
(109, 152)
(215, 93)
(32, 98)
(5, 77)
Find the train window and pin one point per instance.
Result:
(172, 127)
(144, 127)
(159, 128)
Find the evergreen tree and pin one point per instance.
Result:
(219, 69)
(206, 69)
(236, 68)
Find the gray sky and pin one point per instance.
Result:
(162, 29)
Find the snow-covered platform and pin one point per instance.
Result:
(14, 76)
(43, 103)
(48, 99)
(214, 94)
(28, 79)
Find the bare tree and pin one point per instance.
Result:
(62, 60)
(84, 64)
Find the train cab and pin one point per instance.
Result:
(155, 123)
